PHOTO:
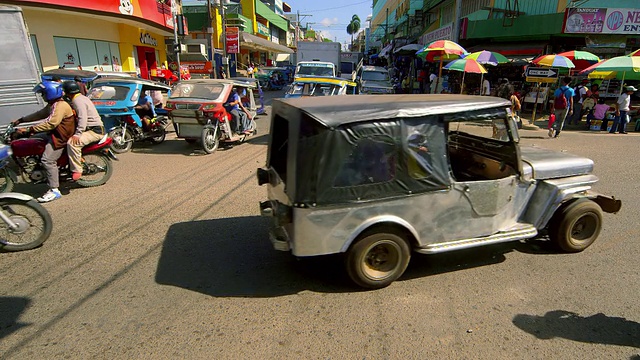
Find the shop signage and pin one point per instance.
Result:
(540, 74)
(148, 10)
(263, 30)
(146, 38)
(233, 40)
(443, 33)
(198, 67)
(602, 21)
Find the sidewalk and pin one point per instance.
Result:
(542, 121)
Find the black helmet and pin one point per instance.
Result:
(70, 87)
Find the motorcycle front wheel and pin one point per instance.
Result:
(96, 170)
(210, 139)
(6, 180)
(122, 140)
(32, 222)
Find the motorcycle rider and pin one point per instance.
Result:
(145, 110)
(89, 129)
(59, 125)
(233, 105)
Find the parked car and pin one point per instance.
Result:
(375, 177)
(373, 80)
(197, 110)
(320, 86)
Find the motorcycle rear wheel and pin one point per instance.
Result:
(6, 180)
(122, 140)
(96, 170)
(162, 134)
(33, 222)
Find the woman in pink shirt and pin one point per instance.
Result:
(599, 111)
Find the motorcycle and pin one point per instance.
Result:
(24, 224)
(219, 130)
(127, 131)
(27, 152)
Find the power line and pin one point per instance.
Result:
(340, 7)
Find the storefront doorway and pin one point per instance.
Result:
(147, 60)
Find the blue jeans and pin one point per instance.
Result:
(620, 122)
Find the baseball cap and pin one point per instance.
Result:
(630, 88)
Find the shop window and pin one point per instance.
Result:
(36, 51)
(372, 160)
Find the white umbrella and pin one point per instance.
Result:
(409, 48)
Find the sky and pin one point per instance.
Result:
(331, 17)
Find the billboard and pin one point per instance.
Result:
(602, 21)
(233, 40)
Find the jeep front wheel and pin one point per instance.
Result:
(576, 226)
(375, 261)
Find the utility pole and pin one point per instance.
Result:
(456, 21)
(298, 25)
(211, 46)
(174, 13)
(224, 37)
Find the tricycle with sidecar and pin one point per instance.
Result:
(197, 110)
(116, 99)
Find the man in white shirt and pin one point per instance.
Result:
(432, 81)
(486, 88)
(623, 105)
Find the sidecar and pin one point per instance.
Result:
(115, 98)
(196, 105)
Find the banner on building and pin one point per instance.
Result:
(443, 33)
(233, 40)
(198, 67)
(602, 21)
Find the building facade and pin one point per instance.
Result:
(127, 36)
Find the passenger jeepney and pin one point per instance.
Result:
(320, 86)
(376, 176)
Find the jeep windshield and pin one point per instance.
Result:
(317, 70)
(375, 76)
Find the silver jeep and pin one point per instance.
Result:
(375, 177)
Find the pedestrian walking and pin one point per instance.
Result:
(562, 106)
(580, 94)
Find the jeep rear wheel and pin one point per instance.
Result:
(375, 261)
(576, 226)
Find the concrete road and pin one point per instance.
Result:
(170, 259)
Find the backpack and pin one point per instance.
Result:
(560, 102)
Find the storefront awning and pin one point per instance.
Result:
(253, 42)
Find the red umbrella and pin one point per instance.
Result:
(635, 53)
(581, 59)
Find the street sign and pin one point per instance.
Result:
(540, 74)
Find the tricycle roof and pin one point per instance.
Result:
(324, 80)
(232, 81)
(69, 74)
(333, 111)
(150, 85)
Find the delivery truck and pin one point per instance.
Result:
(318, 52)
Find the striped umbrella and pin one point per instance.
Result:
(554, 61)
(442, 49)
(466, 65)
(635, 53)
(617, 67)
(485, 57)
(581, 59)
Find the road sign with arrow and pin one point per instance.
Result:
(540, 74)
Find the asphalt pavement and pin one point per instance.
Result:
(171, 260)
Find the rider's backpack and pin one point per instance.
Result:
(576, 95)
(560, 101)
